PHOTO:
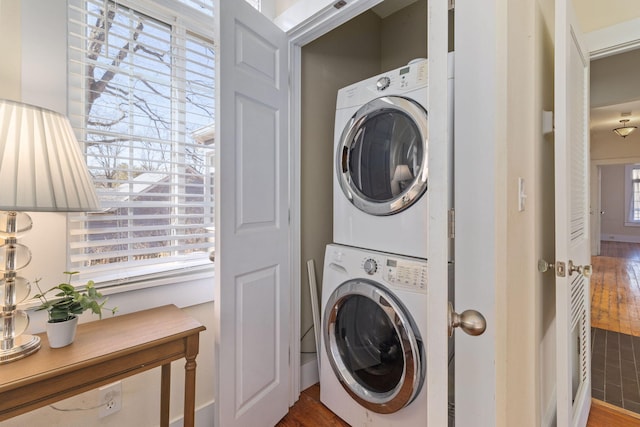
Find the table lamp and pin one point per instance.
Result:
(42, 169)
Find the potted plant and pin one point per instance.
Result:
(66, 305)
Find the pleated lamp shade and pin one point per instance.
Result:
(41, 165)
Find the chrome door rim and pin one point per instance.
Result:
(419, 185)
(413, 350)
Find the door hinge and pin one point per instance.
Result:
(452, 223)
(452, 4)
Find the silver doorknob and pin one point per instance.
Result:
(585, 270)
(470, 321)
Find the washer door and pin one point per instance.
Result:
(381, 161)
(373, 346)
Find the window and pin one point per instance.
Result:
(256, 3)
(141, 98)
(632, 194)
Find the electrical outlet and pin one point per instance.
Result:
(110, 399)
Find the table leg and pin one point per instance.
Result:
(190, 381)
(165, 394)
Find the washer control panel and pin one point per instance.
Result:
(370, 266)
(398, 272)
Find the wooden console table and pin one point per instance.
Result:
(105, 351)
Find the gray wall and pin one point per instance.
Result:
(348, 54)
(613, 205)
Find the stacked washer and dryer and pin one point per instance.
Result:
(374, 293)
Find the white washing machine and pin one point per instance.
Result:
(372, 356)
(381, 148)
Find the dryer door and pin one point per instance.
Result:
(373, 346)
(381, 160)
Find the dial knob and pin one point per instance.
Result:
(383, 83)
(370, 266)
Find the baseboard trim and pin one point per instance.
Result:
(621, 238)
(309, 374)
(205, 415)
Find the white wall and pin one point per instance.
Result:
(597, 14)
(33, 69)
(613, 205)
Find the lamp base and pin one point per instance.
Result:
(23, 346)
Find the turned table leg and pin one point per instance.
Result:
(190, 381)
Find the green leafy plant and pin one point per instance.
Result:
(68, 301)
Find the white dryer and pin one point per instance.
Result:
(372, 356)
(381, 147)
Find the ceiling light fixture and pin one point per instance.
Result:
(625, 130)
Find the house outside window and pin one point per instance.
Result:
(141, 99)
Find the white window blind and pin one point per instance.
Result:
(141, 87)
(635, 194)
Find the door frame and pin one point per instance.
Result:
(314, 25)
(322, 22)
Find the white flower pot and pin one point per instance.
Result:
(61, 334)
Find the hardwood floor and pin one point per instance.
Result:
(620, 250)
(615, 294)
(604, 415)
(310, 412)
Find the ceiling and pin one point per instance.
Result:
(615, 89)
(389, 7)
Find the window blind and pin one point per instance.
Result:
(141, 88)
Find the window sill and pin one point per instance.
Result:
(632, 224)
(190, 289)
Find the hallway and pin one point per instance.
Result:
(615, 322)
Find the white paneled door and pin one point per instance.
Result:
(573, 268)
(252, 221)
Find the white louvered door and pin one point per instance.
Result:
(573, 320)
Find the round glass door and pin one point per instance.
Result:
(373, 346)
(382, 156)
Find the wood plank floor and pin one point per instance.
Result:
(615, 294)
(310, 412)
(604, 415)
(615, 288)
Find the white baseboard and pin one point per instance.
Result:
(309, 374)
(620, 238)
(205, 415)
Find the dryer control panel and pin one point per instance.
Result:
(400, 81)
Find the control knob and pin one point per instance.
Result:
(370, 266)
(383, 83)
